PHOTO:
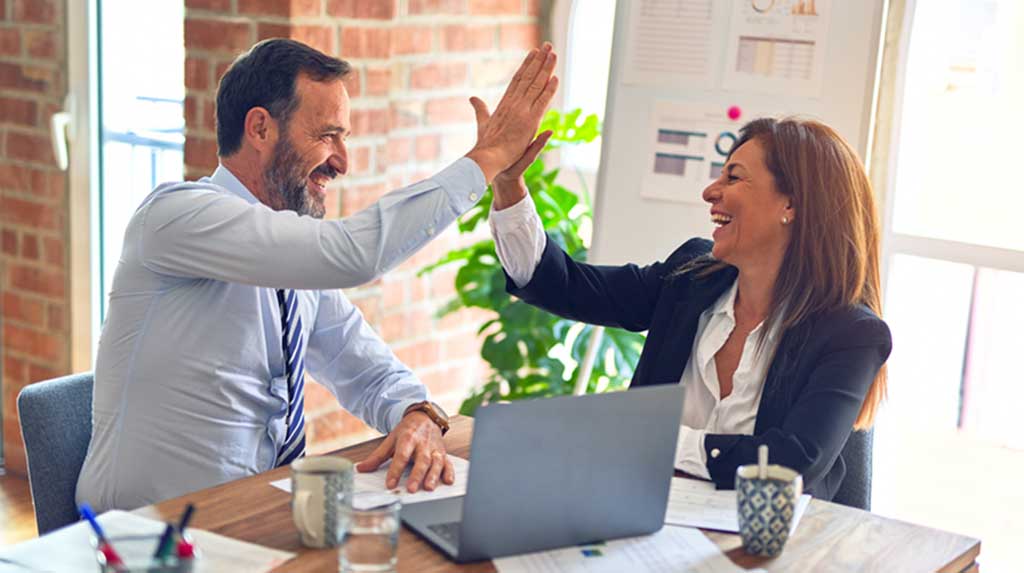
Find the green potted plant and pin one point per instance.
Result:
(531, 352)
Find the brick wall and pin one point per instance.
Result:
(416, 63)
(33, 207)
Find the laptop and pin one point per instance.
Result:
(557, 472)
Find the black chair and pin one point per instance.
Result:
(855, 491)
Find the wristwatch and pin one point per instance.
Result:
(433, 411)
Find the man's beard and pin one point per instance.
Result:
(286, 183)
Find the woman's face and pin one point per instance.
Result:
(748, 211)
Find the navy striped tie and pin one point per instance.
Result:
(294, 445)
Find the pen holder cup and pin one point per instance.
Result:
(136, 553)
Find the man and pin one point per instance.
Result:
(226, 291)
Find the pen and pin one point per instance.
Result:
(105, 547)
(185, 549)
(164, 546)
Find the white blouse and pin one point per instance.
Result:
(520, 240)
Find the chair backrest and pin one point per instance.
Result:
(56, 424)
(855, 490)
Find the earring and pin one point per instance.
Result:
(785, 220)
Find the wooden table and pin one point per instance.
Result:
(830, 537)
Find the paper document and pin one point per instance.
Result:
(70, 548)
(374, 481)
(696, 503)
(671, 550)
(670, 43)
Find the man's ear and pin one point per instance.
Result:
(261, 130)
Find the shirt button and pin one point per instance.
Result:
(473, 196)
(715, 452)
(430, 231)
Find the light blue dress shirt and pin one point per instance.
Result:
(190, 383)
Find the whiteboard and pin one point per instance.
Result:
(758, 57)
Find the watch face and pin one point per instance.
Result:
(439, 411)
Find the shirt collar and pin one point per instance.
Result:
(726, 305)
(223, 177)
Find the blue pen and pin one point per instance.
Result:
(105, 547)
(163, 547)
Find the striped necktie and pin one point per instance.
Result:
(294, 445)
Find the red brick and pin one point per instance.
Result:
(53, 251)
(370, 121)
(23, 310)
(15, 371)
(264, 7)
(334, 425)
(353, 84)
(17, 77)
(222, 69)
(407, 113)
(420, 355)
(197, 73)
(10, 242)
(519, 36)
(306, 8)
(460, 38)
(38, 373)
(378, 81)
(209, 115)
(14, 448)
(393, 293)
(399, 150)
(201, 153)
(191, 111)
(319, 37)
(28, 213)
(365, 42)
(42, 44)
(359, 197)
(495, 7)
(412, 40)
(449, 110)
(30, 247)
(362, 9)
(358, 160)
(27, 341)
(10, 42)
(211, 5)
(17, 111)
(460, 346)
(38, 11)
(437, 7)
(433, 76)
(56, 317)
(318, 398)
(217, 35)
(533, 8)
(31, 279)
(493, 73)
(428, 147)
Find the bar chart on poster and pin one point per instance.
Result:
(686, 75)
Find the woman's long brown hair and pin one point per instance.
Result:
(832, 260)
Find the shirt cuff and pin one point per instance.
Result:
(464, 182)
(520, 212)
(690, 455)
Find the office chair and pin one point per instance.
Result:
(56, 424)
(855, 491)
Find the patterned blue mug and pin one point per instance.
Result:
(766, 507)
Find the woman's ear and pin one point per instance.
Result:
(260, 129)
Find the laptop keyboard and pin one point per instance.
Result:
(447, 531)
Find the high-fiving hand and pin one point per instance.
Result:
(504, 136)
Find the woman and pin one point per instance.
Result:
(774, 328)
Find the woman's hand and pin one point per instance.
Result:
(509, 185)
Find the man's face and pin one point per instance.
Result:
(310, 150)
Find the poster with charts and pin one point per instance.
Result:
(686, 145)
(777, 47)
(670, 43)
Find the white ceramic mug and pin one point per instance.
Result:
(319, 486)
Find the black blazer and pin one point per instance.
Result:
(815, 384)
